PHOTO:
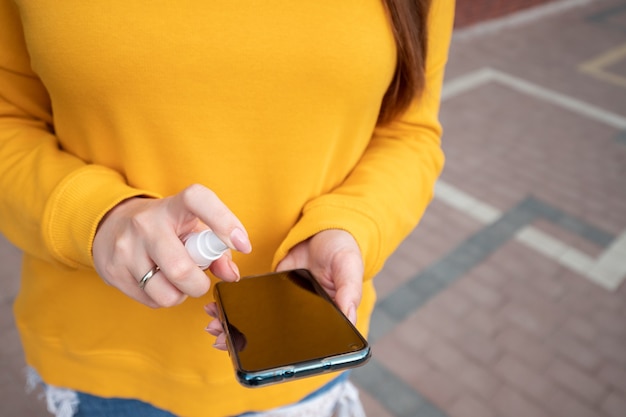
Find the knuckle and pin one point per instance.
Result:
(168, 299)
(107, 271)
(186, 279)
(201, 288)
(179, 273)
(194, 192)
(121, 245)
(142, 221)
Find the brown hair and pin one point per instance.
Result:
(408, 21)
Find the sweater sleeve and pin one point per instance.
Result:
(386, 194)
(50, 201)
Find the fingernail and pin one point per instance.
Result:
(352, 314)
(235, 269)
(212, 329)
(240, 241)
(212, 332)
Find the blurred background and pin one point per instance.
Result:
(509, 298)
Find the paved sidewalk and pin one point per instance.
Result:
(509, 299)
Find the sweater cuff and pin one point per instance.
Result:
(75, 209)
(319, 217)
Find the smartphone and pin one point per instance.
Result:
(283, 326)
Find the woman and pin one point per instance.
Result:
(307, 130)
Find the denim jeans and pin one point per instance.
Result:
(93, 406)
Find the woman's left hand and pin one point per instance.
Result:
(334, 259)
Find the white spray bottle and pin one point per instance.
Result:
(205, 247)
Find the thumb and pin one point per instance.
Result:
(349, 286)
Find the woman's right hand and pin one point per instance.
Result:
(140, 233)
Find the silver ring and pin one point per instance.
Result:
(144, 280)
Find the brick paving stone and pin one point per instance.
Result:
(454, 302)
(10, 348)
(467, 406)
(441, 229)
(613, 324)
(489, 274)
(524, 294)
(509, 403)
(439, 321)
(580, 327)
(515, 261)
(438, 387)
(427, 409)
(572, 240)
(9, 273)
(484, 322)
(480, 349)
(400, 399)
(444, 356)
(582, 384)
(397, 270)
(563, 404)
(458, 225)
(579, 303)
(614, 405)
(528, 380)
(537, 276)
(547, 287)
(417, 330)
(614, 375)
(527, 347)
(402, 359)
(480, 294)
(580, 353)
(469, 12)
(15, 401)
(372, 407)
(479, 380)
(613, 349)
(528, 319)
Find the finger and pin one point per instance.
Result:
(162, 292)
(347, 303)
(157, 288)
(214, 328)
(297, 257)
(130, 287)
(225, 269)
(211, 310)
(349, 284)
(177, 266)
(205, 204)
(220, 342)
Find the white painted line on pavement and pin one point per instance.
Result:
(517, 19)
(607, 271)
(483, 76)
(466, 83)
(590, 111)
(610, 268)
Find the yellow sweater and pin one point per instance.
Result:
(271, 104)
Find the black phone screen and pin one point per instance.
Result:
(284, 319)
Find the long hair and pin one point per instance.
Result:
(408, 20)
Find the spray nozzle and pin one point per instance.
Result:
(205, 247)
